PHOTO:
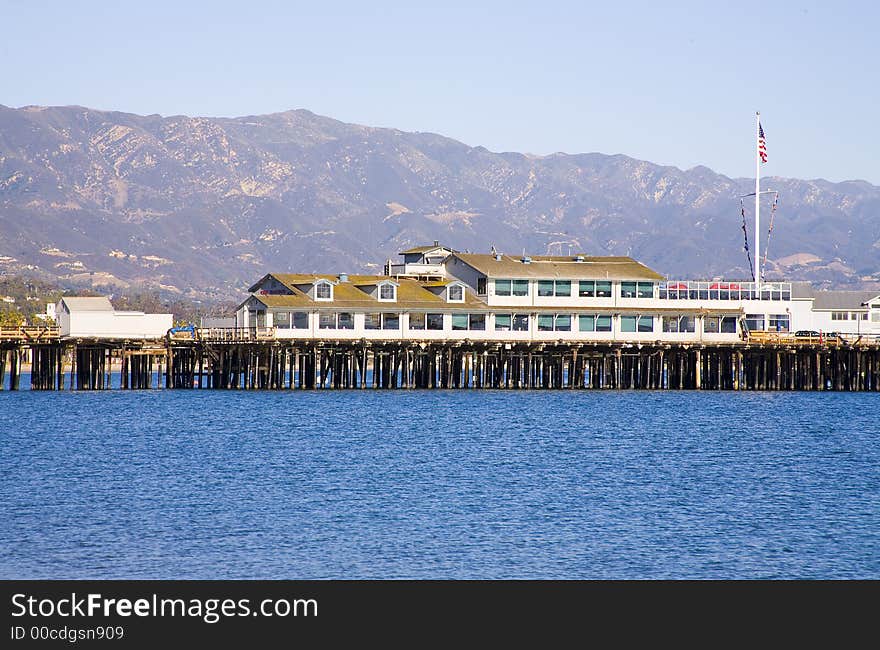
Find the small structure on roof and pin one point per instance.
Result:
(95, 317)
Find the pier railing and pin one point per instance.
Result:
(29, 332)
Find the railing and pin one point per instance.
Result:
(30, 332)
(813, 338)
(235, 334)
(723, 290)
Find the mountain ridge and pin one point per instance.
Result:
(203, 205)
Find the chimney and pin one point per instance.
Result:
(436, 242)
(343, 277)
(497, 257)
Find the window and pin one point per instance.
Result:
(417, 321)
(587, 323)
(712, 324)
(327, 321)
(372, 321)
(345, 321)
(387, 292)
(434, 321)
(554, 322)
(840, 315)
(755, 322)
(506, 322)
(281, 319)
(679, 324)
(560, 288)
(587, 289)
(520, 287)
(636, 323)
(779, 323)
(300, 320)
(563, 288)
(603, 288)
(481, 286)
(503, 288)
(636, 289)
(545, 288)
(455, 293)
(477, 321)
(459, 321)
(603, 323)
(390, 321)
(728, 324)
(645, 290)
(520, 322)
(323, 290)
(545, 322)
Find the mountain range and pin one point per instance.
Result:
(205, 206)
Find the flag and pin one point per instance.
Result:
(762, 144)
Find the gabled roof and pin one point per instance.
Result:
(100, 303)
(842, 299)
(545, 266)
(426, 249)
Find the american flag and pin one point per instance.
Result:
(762, 144)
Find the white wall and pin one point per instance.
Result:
(120, 325)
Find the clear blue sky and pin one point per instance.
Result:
(674, 83)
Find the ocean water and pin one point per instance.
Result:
(439, 484)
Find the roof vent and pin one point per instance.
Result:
(579, 258)
(436, 242)
(497, 257)
(526, 259)
(343, 277)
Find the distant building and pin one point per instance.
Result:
(96, 318)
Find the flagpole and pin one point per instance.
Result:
(757, 206)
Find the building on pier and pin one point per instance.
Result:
(438, 293)
(95, 317)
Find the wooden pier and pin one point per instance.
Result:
(249, 362)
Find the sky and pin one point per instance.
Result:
(673, 83)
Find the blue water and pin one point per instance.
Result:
(439, 484)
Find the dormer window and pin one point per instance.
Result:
(323, 290)
(455, 293)
(387, 292)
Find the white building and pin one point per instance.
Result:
(441, 294)
(96, 318)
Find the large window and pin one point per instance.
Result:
(340, 321)
(587, 288)
(636, 289)
(434, 321)
(840, 315)
(603, 288)
(481, 286)
(390, 321)
(417, 321)
(372, 321)
(387, 292)
(299, 320)
(719, 324)
(594, 322)
(554, 322)
(469, 321)
(780, 323)
(281, 320)
(511, 287)
(515, 322)
(323, 290)
(636, 323)
(755, 322)
(679, 324)
(559, 288)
